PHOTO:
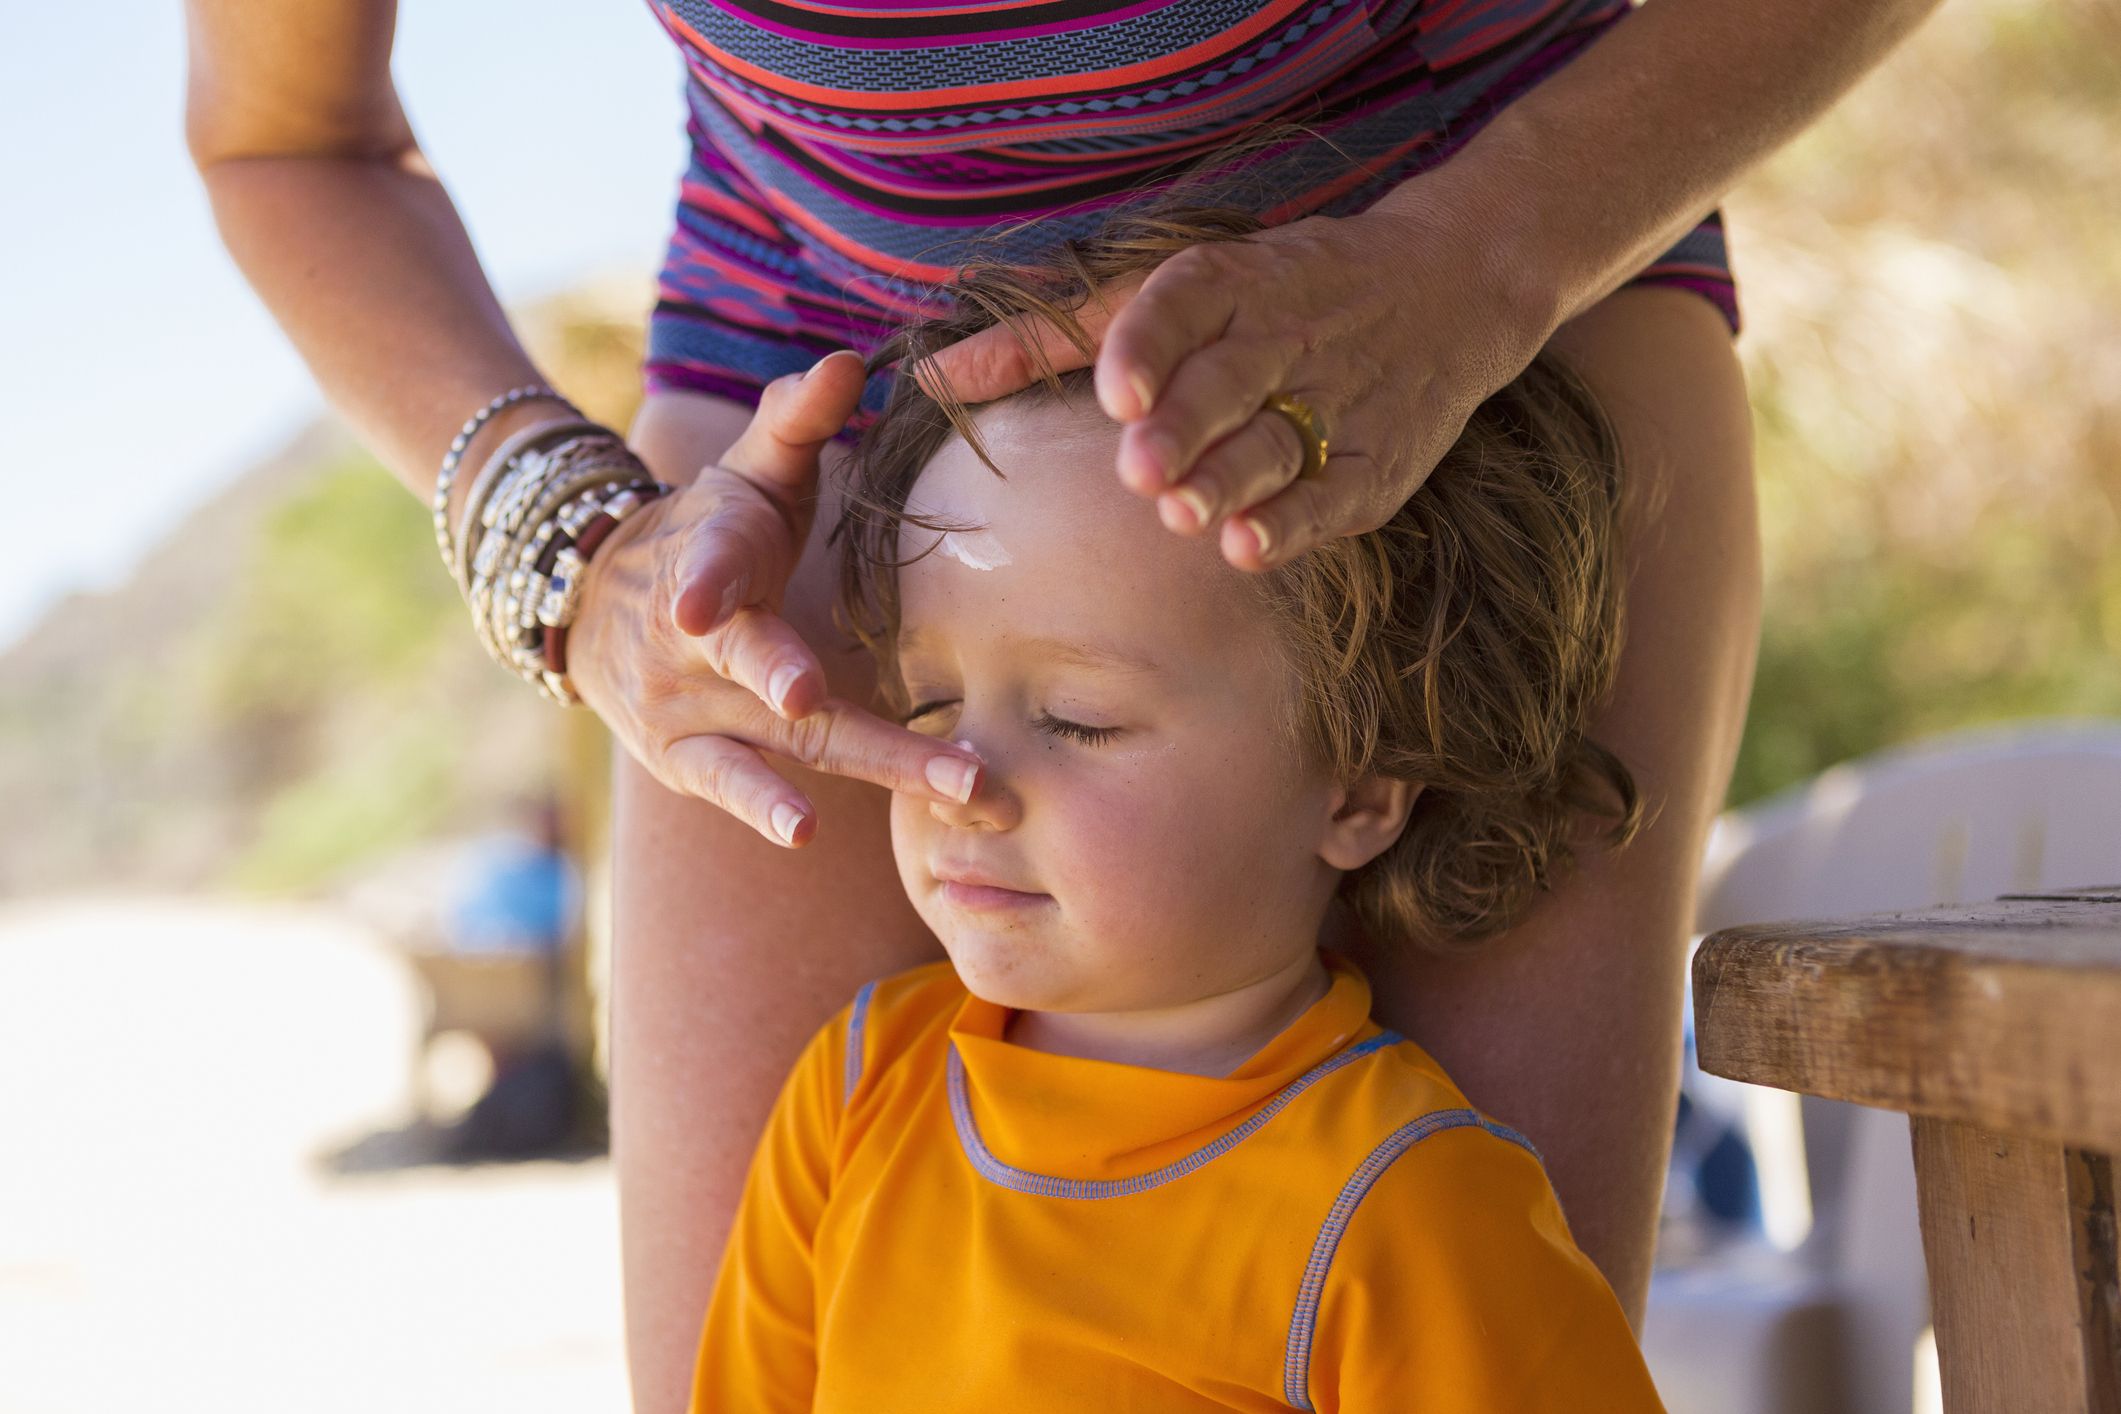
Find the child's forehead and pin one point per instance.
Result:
(1061, 547)
(1058, 483)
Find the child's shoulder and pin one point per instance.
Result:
(896, 1016)
(1397, 1098)
(1450, 1202)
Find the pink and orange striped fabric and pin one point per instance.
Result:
(846, 154)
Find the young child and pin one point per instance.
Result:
(1138, 1145)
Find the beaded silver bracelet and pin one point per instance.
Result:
(514, 469)
(557, 608)
(522, 471)
(555, 475)
(514, 610)
(448, 474)
(561, 476)
(520, 609)
(514, 567)
(533, 602)
(543, 487)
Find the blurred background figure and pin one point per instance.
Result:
(520, 894)
(509, 932)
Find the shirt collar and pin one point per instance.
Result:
(1076, 1119)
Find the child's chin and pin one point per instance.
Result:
(1011, 971)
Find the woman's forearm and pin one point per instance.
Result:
(1610, 160)
(368, 269)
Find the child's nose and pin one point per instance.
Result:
(994, 805)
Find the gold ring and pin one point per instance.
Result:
(1308, 429)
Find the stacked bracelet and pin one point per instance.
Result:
(498, 493)
(539, 507)
(529, 392)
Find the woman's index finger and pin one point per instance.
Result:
(847, 740)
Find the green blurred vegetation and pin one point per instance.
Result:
(1931, 286)
(285, 647)
(287, 656)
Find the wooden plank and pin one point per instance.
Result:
(2101, 893)
(2020, 1241)
(2098, 1261)
(2001, 1015)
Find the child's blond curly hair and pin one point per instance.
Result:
(1462, 646)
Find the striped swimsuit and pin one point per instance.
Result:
(844, 152)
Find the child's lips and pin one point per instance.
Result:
(971, 888)
(986, 897)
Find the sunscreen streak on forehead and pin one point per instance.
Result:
(974, 549)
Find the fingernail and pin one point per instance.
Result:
(952, 777)
(1139, 382)
(1259, 532)
(815, 367)
(786, 821)
(1194, 502)
(777, 686)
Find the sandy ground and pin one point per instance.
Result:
(167, 1071)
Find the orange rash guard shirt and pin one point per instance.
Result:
(938, 1220)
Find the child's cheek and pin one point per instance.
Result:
(1140, 840)
(910, 821)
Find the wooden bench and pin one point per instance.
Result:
(1997, 1028)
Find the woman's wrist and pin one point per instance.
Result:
(1569, 230)
(491, 435)
(543, 503)
(1477, 216)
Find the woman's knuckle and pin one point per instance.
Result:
(663, 763)
(1312, 521)
(812, 739)
(723, 648)
(1194, 259)
(717, 775)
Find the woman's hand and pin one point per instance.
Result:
(680, 647)
(1390, 328)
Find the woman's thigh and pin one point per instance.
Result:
(728, 953)
(1568, 1026)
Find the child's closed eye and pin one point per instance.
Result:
(925, 709)
(1060, 726)
(1045, 722)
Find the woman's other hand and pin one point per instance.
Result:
(1391, 330)
(680, 647)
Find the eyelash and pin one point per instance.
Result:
(1047, 723)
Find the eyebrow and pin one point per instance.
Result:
(1082, 655)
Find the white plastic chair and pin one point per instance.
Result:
(1833, 1326)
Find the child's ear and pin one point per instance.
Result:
(1368, 817)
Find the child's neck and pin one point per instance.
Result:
(1211, 1036)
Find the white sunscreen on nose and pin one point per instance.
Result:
(974, 549)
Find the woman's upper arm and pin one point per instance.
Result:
(281, 78)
